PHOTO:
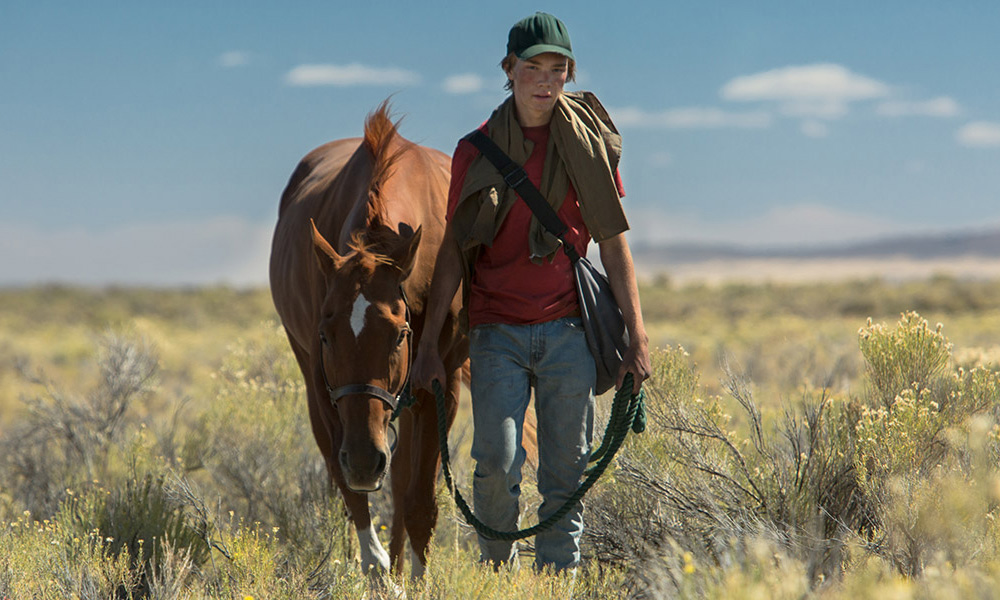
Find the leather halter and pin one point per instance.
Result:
(366, 388)
(362, 388)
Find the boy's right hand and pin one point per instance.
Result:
(427, 366)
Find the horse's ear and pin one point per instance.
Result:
(406, 253)
(326, 256)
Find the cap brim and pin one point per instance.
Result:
(532, 51)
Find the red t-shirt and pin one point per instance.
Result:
(506, 286)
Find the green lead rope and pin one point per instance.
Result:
(627, 413)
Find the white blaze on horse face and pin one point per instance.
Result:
(358, 313)
(373, 555)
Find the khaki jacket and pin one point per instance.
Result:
(584, 150)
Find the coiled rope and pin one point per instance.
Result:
(627, 413)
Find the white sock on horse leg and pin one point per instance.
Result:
(416, 565)
(373, 555)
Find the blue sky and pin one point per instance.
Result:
(149, 142)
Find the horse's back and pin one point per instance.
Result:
(295, 288)
(317, 170)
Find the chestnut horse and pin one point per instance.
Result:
(351, 291)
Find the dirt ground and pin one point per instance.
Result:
(784, 270)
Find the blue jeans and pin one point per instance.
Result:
(507, 361)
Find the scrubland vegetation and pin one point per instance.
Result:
(816, 441)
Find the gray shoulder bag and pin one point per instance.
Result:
(602, 319)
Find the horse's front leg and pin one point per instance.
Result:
(420, 510)
(400, 468)
(374, 558)
(329, 434)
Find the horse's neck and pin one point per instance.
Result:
(355, 220)
(344, 210)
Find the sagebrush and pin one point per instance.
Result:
(873, 468)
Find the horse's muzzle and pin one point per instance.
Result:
(364, 471)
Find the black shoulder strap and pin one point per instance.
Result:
(514, 175)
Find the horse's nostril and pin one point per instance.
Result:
(343, 457)
(381, 462)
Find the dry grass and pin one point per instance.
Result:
(168, 454)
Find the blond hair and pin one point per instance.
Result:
(508, 62)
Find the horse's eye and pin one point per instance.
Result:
(322, 338)
(402, 336)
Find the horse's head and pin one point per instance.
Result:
(366, 345)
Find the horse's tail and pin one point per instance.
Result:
(298, 176)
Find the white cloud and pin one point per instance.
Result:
(818, 109)
(823, 82)
(465, 83)
(942, 106)
(349, 75)
(689, 118)
(805, 224)
(234, 58)
(979, 134)
(226, 249)
(814, 129)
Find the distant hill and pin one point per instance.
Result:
(985, 244)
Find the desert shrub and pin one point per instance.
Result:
(257, 565)
(948, 516)
(814, 470)
(49, 560)
(96, 472)
(170, 576)
(904, 438)
(698, 489)
(65, 440)
(762, 568)
(917, 446)
(909, 356)
(915, 397)
(256, 443)
(833, 473)
(143, 521)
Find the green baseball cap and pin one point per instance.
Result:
(537, 34)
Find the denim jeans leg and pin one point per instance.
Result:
(564, 403)
(500, 393)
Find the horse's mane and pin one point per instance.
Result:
(367, 250)
(380, 133)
